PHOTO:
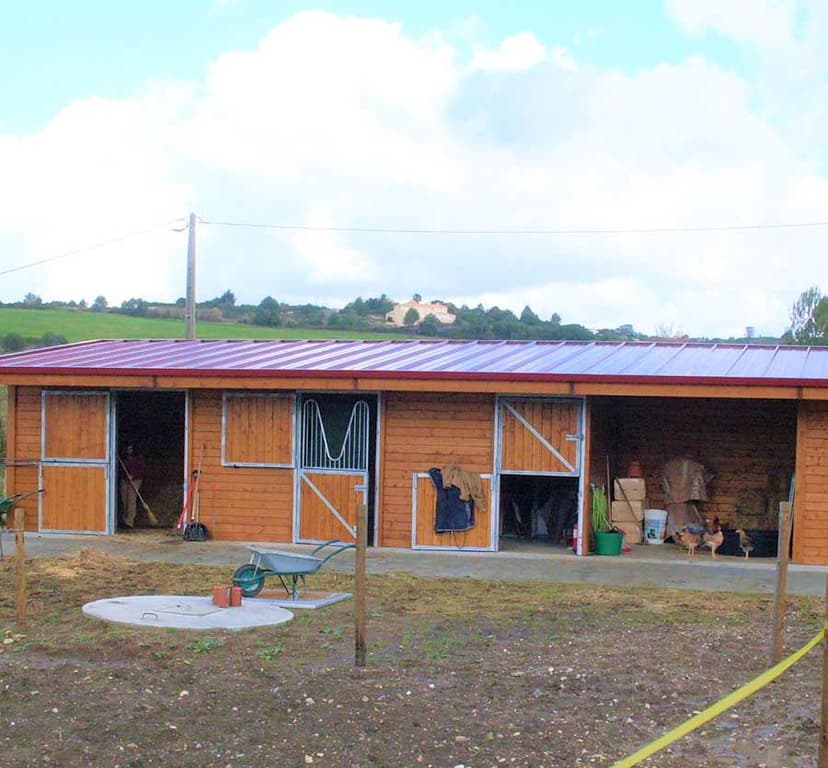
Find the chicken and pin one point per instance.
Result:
(745, 542)
(715, 538)
(687, 538)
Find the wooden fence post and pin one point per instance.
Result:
(822, 761)
(20, 566)
(782, 559)
(360, 643)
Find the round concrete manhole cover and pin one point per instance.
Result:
(172, 611)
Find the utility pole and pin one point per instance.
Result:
(189, 308)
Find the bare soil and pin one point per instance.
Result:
(460, 673)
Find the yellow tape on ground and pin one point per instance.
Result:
(731, 700)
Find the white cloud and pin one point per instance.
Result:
(324, 256)
(352, 122)
(515, 53)
(768, 23)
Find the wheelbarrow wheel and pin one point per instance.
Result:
(250, 579)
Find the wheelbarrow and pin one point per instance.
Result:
(5, 507)
(289, 567)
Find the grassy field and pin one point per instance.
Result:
(79, 326)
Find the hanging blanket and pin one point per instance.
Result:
(469, 483)
(451, 512)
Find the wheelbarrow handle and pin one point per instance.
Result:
(339, 546)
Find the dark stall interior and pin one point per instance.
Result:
(538, 507)
(154, 423)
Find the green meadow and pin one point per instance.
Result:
(79, 326)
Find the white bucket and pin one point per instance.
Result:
(655, 525)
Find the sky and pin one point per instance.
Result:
(614, 163)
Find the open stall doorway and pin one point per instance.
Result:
(538, 508)
(154, 424)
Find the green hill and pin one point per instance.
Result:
(75, 325)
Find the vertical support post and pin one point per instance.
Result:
(20, 566)
(822, 761)
(360, 587)
(782, 558)
(189, 309)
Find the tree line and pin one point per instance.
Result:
(808, 316)
(361, 314)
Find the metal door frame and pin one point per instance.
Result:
(298, 447)
(496, 459)
(55, 461)
(113, 446)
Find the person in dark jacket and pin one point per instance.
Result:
(133, 467)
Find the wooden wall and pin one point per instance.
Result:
(237, 503)
(24, 445)
(810, 544)
(423, 430)
(749, 445)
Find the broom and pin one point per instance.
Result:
(153, 520)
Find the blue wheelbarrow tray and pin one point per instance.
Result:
(289, 567)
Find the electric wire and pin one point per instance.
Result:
(425, 231)
(93, 247)
(583, 231)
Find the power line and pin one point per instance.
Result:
(585, 231)
(93, 247)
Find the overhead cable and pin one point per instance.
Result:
(93, 247)
(584, 231)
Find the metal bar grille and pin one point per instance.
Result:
(316, 452)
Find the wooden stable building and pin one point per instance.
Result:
(291, 436)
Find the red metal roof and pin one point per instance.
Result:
(623, 362)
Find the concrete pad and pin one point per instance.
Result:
(185, 612)
(309, 600)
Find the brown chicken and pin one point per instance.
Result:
(745, 542)
(715, 538)
(689, 539)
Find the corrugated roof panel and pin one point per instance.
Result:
(815, 366)
(707, 361)
(628, 362)
(754, 362)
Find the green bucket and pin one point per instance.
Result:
(608, 542)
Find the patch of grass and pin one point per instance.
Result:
(204, 645)
(270, 652)
(442, 646)
(335, 632)
(80, 326)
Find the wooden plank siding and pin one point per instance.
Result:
(236, 503)
(75, 498)
(423, 430)
(75, 428)
(24, 446)
(810, 542)
(318, 523)
(522, 451)
(748, 446)
(597, 451)
(76, 425)
(258, 429)
(425, 535)
(11, 441)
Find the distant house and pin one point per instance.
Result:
(424, 309)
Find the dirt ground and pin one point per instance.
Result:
(460, 673)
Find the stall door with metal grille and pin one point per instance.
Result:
(75, 462)
(540, 437)
(334, 452)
